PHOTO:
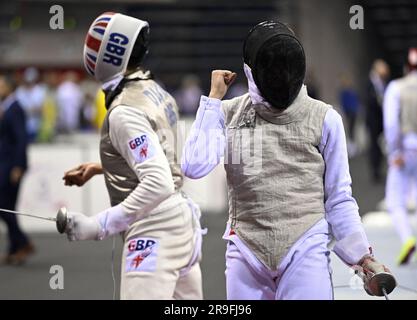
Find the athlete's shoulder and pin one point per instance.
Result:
(154, 93)
(395, 83)
(319, 107)
(125, 113)
(333, 117)
(232, 106)
(240, 100)
(393, 87)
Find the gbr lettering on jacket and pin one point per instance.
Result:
(142, 148)
(141, 255)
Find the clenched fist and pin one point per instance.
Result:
(221, 80)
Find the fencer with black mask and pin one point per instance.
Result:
(159, 223)
(283, 214)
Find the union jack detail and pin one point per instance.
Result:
(93, 41)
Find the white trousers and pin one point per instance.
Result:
(397, 192)
(161, 257)
(304, 273)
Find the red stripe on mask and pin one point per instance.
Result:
(101, 24)
(93, 43)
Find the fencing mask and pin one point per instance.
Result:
(277, 61)
(114, 43)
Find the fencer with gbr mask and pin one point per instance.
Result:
(159, 223)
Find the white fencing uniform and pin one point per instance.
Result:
(400, 128)
(289, 203)
(304, 273)
(160, 225)
(163, 240)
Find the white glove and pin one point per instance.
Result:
(107, 223)
(82, 227)
(114, 220)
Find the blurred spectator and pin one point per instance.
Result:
(400, 130)
(99, 109)
(88, 111)
(31, 96)
(49, 108)
(70, 99)
(378, 79)
(188, 96)
(349, 99)
(13, 164)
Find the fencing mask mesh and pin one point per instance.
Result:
(277, 60)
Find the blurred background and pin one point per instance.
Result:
(65, 108)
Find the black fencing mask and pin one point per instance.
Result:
(277, 60)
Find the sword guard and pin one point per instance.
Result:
(377, 282)
(62, 220)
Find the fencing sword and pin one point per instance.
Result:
(385, 293)
(61, 218)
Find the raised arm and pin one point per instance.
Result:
(206, 142)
